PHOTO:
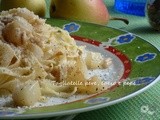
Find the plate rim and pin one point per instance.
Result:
(81, 110)
(94, 107)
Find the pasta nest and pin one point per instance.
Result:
(36, 60)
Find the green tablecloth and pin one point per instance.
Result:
(139, 107)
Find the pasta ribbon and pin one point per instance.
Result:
(38, 60)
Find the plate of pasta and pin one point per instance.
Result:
(57, 67)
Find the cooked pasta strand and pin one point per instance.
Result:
(38, 60)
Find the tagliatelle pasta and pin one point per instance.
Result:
(36, 60)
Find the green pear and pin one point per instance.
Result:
(153, 14)
(37, 6)
(93, 11)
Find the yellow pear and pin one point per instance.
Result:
(37, 6)
(93, 11)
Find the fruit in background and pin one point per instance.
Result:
(153, 12)
(86, 10)
(93, 11)
(37, 6)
